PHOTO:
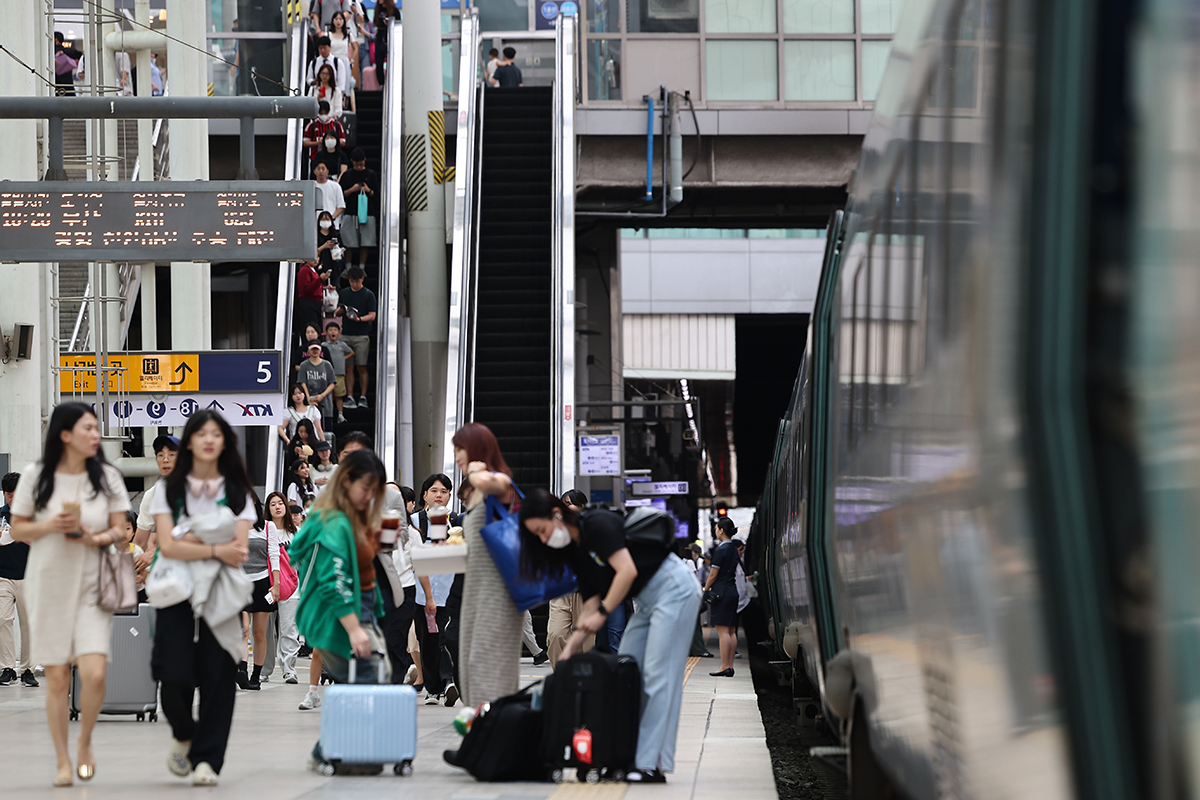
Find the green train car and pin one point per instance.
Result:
(980, 534)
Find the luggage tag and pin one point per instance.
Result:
(581, 743)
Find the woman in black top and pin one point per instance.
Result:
(609, 569)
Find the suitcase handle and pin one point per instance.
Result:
(354, 666)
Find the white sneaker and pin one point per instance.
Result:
(348, 402)
(341, 418)
(311, 700)
(177, 759)
(204, 775)
(431, 699)
(410, 677)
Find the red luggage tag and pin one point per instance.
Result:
(582, 744)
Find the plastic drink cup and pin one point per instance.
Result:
(431, 622)
(438, 517)
(391, 529)
(72, 507)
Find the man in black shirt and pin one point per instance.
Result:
(360, 236)
(64, 69)
(508, 74)
(721, 591)
(13, 556)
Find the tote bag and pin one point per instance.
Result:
(503, 540)
(288, 579)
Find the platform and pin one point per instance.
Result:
(721, 751)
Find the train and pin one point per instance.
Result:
(977, 546)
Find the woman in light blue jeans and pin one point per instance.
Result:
(609, 569)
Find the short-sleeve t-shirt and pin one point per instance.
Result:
(195, 506)
(318, 377)
(602, 533)
(364, 301)
(371, 179)
(725, 559)
(337, 352)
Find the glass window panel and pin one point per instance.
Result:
(603, 16)
(874, 61)
(697, 233)
(662, 16)
(603, 69)
(739, 16)
(965, 76)
(787, 233)
(742, 70)
(818, 16)
(880, 16)
(503, 15)
(633, 233)
(819, 70)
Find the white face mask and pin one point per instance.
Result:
(331, 143)
(326, 224)
(323, 117)
(561, 536)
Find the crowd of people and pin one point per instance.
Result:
(308, 564)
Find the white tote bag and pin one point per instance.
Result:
(169, 582)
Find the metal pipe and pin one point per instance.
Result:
(55, 133)
(649, 147)
(676, 144)
(247, 170)
(156, 107)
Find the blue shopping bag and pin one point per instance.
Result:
(503, 540)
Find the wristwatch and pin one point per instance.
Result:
(602, 609)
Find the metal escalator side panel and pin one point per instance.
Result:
(464, 240)
(562, 435)
(390, 410)
(293, 170)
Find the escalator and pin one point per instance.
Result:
(511, 348)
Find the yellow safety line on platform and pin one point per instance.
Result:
(691, 665)
(589, 791)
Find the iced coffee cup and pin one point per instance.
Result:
(72, 507)
(438, 517)
(391, 529)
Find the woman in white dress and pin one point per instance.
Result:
(342, 42)
(67, 507)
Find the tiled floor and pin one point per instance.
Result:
(721, 752)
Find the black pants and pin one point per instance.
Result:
(187, 657)
(450, 639)
(395, 630)
(437, 666)
(308, 312)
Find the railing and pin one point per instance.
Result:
(562, 417)
(286, 294)
(388, 405)
(464, 252)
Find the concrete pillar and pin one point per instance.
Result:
(191, 283)
(25, 298)
(429, 299)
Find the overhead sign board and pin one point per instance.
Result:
(600, 455)
(157, 221)
(246, 371)
(655, 488)
(245, 410)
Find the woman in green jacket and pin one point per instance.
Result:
(339, 605)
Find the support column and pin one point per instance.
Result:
(25, 297)
(191, 282)
(429, 300)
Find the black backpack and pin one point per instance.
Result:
(646, 525)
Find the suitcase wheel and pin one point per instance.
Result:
(405, 769)
(616, 775)
(154, 716)
(556, 776)
(326, 769)
(593, 776)
(141, 717)
(74, 715)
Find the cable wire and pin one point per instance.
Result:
(33, 71)
(200, 50)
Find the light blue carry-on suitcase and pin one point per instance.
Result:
(367, 725)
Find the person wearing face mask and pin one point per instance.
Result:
(316, 131)
(567, 610)
(332, 156)
(609, 570)
(329, 194)
(329, 248)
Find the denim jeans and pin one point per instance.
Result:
(614, 627)
(658, 637)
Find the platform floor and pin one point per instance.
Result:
(721, 751)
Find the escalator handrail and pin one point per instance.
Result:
(562, 435)
(463, 253)
(391, 212)
(293, 171)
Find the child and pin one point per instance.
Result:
(130, 530)
(338, 351)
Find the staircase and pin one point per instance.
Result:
(513, 341)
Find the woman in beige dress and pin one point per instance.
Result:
(67, 507)
(489, 648)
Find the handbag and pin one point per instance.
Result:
(118, 580)
(503, 540)
(329, 300)
(169, 582)
(288, 579)
(362, 208)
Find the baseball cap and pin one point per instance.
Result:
(165, 441)
(323, 445)
(312, 345)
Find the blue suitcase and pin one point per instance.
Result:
(368, 725)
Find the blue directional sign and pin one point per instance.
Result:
(240, 371)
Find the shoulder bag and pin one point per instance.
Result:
(288, 579)
(503, 540)
(118, 579)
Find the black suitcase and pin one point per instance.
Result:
(592, 707)
(497, 747)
